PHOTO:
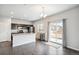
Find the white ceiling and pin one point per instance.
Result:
(31, 12)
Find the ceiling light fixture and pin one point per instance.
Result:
(43, 15)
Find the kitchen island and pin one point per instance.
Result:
(22, 38)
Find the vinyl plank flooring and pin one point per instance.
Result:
(34, 48)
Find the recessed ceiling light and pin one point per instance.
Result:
(11, 12)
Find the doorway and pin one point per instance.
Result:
(56, 32)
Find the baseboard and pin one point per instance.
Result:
(8, 40)
(72, 48)
(4, 41)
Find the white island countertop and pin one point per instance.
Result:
(16, 34)
(23, 38)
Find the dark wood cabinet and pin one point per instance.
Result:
(42, 36)
(29, 28)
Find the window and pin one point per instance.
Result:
(40, 27)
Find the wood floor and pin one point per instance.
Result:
(37, 48)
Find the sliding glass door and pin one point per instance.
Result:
(56, 32)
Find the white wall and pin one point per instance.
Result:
(5, 29)
(20, 21)
(72, 26)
